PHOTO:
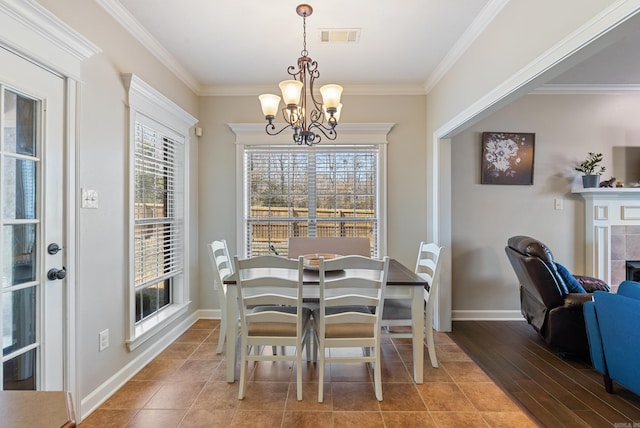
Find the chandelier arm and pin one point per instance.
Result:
(270, 129)
(307, 137)
(329, 133)
(294, 72)
(292, 117)
(314, 73)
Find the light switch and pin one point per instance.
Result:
(558, 204)
(89, 199)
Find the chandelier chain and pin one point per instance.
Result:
(304, 36)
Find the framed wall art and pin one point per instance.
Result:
(507, 158)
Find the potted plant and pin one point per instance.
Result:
(591, 170)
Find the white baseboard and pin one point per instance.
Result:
(99, 395)
(494, 315)
(209, 314)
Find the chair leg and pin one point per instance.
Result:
(223, 330)
(608, 384)
(299, 372)
(320, 351)
(243, 370)
(428, 325)
(307, 344)
(377, 375)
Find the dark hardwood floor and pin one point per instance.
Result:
(555, 392)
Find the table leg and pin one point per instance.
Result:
(417, 317)
(232, 331)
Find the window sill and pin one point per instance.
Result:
(153, 325)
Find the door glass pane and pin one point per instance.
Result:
(18, 319)
(20, 116)
(19, 372)
(19, 189)
(18, 254)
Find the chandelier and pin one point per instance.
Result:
(308, 121)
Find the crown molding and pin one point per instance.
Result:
(484, 18)
(32, 31)
(587, 89)
(354, 89)
(133, 26)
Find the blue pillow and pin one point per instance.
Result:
(571, 282)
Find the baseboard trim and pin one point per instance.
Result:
(494, 315)
(210, 314)
(99, 395)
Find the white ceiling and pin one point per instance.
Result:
(617, 64)
(245, 46)
(217, 45)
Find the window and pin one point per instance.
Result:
(319, 191)
(159, 144)
(285, 190)
(158, 227)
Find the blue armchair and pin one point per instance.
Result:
(614, 336)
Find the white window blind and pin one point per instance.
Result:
(158, 227)
(318, 191)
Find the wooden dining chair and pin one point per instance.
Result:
(271, 311)
(223, 267)
(397, 312)
(302, 245)
(349, 313)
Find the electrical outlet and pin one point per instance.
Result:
(103, 340)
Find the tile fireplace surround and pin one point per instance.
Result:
(612, 231)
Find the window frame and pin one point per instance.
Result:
(146, 105)
(349, 134)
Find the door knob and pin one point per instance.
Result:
(54, 273)
(53, 248)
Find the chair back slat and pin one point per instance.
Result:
(349, 290)
(220, 261)
(268, 280)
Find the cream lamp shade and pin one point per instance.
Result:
(270, 104)
(331, 95)
(291, 90)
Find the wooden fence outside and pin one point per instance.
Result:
(274, 232)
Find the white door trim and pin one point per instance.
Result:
(34, 33)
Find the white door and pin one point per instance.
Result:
(31, 202)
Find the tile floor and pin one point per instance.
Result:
(185, 387)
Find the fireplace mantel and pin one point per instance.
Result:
(607, 208)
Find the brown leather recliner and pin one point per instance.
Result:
(545, 300)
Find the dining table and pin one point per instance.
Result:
(402, 283)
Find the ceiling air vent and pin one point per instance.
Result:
(340, 35)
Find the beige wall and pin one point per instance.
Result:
(485, 216)
(406, 217)
(102, 166)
